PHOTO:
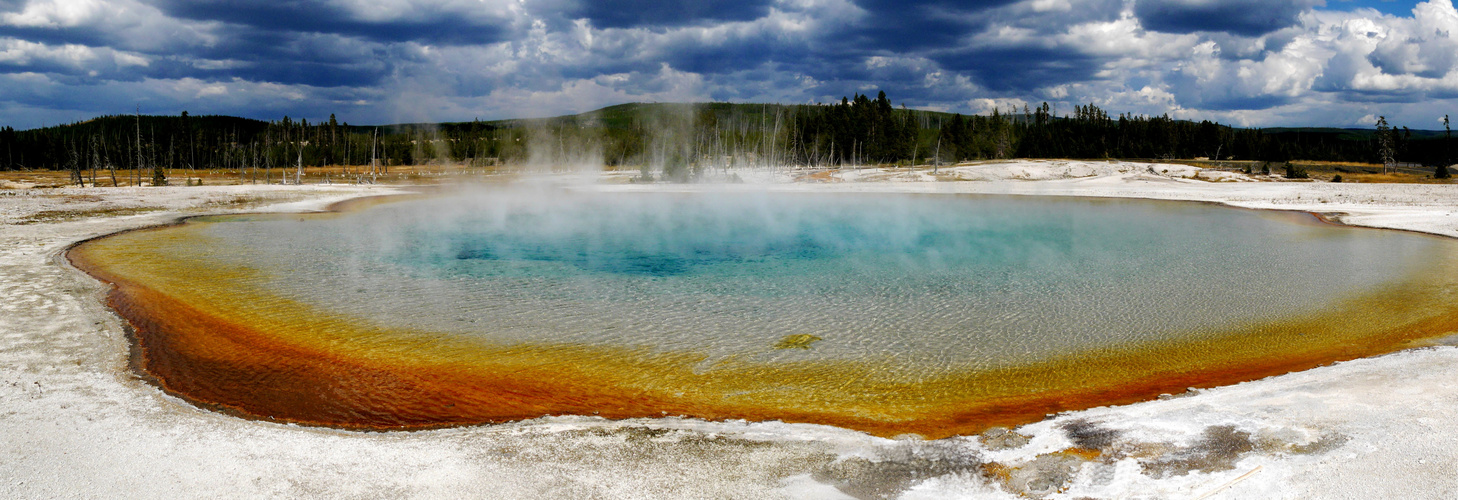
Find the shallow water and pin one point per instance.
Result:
(905, 307)
(929, 281)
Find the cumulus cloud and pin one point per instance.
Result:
(1267, 62)
(1425, 46)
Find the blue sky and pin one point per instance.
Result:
(1394, 7)
(1244, 62)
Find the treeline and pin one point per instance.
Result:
(184, 142)
(1089, 132)
(681, 141)
(857, 131)
(1422, 147)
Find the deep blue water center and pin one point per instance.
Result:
(677, 249)
(666, 235)
(611, 237)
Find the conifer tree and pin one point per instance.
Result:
(1385, 144)
(1442, 171)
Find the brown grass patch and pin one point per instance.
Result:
(242, 201)
(1392, 178)
(53, 216)
(821, 176)
(336, 174)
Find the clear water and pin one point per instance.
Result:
(930, 283)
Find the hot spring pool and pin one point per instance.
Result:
(929, 314)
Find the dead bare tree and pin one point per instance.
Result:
(137, 169)
(106, 158)
(373, 144)
(299, 174)
(91, 159)
(937, 157)
(73, 163)
(268, 159)
(159, 169)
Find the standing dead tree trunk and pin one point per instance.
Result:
(159, 168)
(73, 163)
(936, 157)
(299, 174)
(91, 158)
(106, 158)
(373, 165)
(137, 169)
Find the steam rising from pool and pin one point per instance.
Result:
(885, 313)
(932, 282)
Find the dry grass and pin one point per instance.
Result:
(1391, 178)
(50, 216)
(1349, 165)
(821, 176)
(21, 179)
(242, 201)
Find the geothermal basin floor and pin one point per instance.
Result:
(75, 421)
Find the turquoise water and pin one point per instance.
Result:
(930, 282)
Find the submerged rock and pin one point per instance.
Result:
(800, 341)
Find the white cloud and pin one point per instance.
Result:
(124, 24)
(57, 13)
(72, 56)
(988, 105)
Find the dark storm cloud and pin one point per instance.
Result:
(1240, 17)
(427, 25)
(289, 59)
(1052, 20)
(942, 31)
(303, 73)
(1021, 68)
(71, 75)
(901, 25)
(658, 13)
(88, 36)
(287, 43)
(739, 54)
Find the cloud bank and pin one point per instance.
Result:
(1247, 62)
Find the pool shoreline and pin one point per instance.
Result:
(77, 422)
(993, 413)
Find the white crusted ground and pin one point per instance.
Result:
(75, 423)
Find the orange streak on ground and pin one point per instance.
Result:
(286, 362)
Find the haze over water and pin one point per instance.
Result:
(933, 314)
(929, 281)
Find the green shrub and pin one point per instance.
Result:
(1294, 171)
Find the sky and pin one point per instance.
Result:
(1260, 63)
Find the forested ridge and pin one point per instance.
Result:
(680, 139)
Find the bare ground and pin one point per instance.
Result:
(74, 422)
